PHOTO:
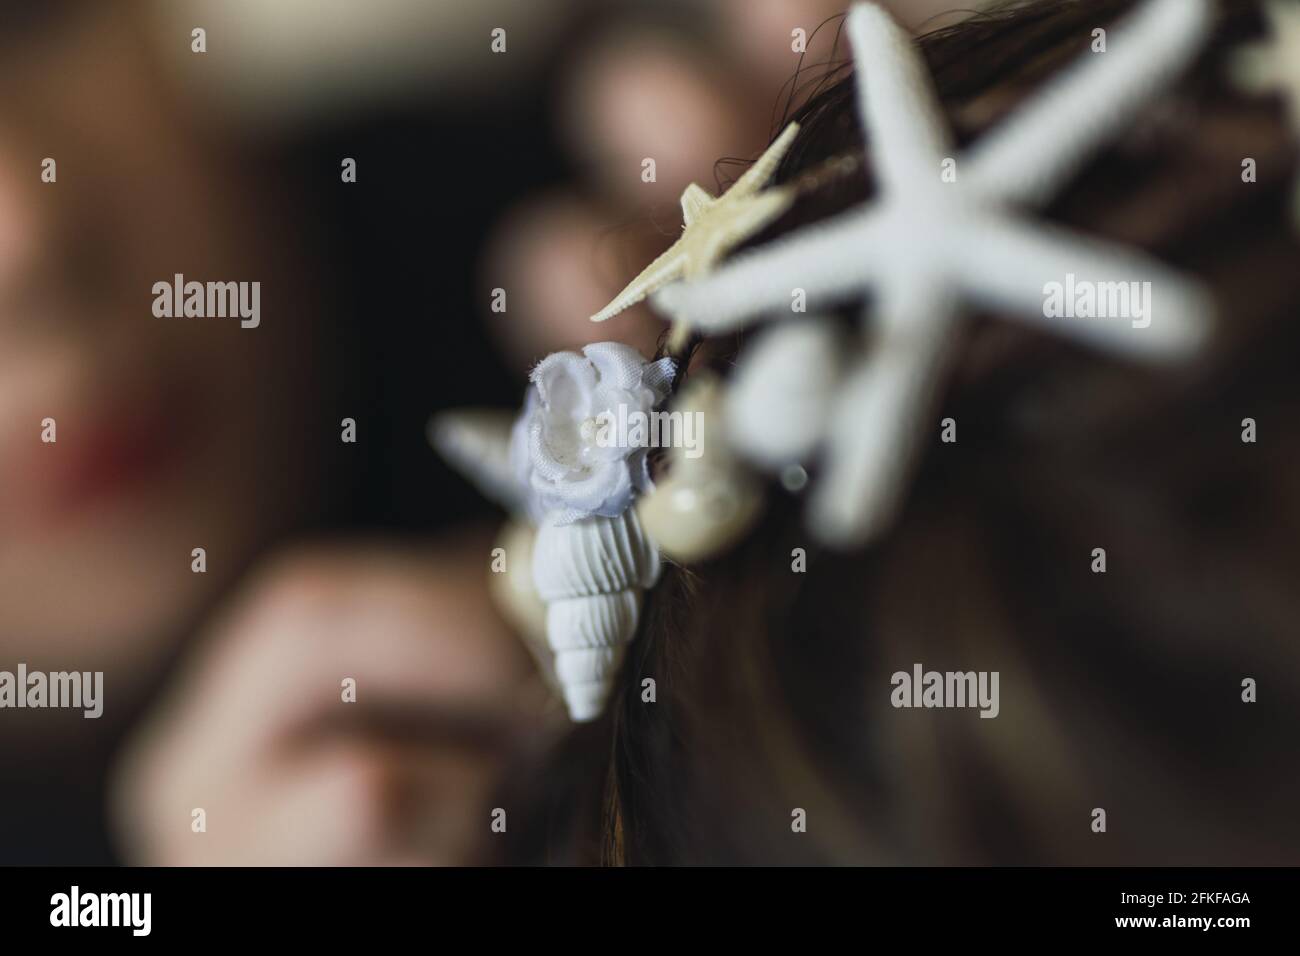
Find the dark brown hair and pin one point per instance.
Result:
(1120, 690)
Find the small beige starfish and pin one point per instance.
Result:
(712, 228)
(1274, 66)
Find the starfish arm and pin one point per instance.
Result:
(827, 261)
(758, 175)
(899, 112)
(880, 416)
(1020, 269)
(695, 200)
(1036, 150)
(476, 442)
(745, 220)
(669, 267)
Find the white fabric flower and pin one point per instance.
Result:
(557, 447)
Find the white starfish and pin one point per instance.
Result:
(712, 228)
(926, 245)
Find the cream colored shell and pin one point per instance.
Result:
(702, 504)
(515, 596)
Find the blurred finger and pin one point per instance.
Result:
(648, 115)
(385, 804)
(330, 637)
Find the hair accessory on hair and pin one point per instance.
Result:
(1274, 67)
(562, 466)
(709, 499)
(712, 228)
(783, 391)
(593, 575)
(567, 456)
(926, 244)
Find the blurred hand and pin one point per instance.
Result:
(256, 732)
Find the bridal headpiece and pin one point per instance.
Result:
(945, 230)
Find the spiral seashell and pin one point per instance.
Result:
(592, 574)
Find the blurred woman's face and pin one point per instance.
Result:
(171, 433)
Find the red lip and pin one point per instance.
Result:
(121, 449)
